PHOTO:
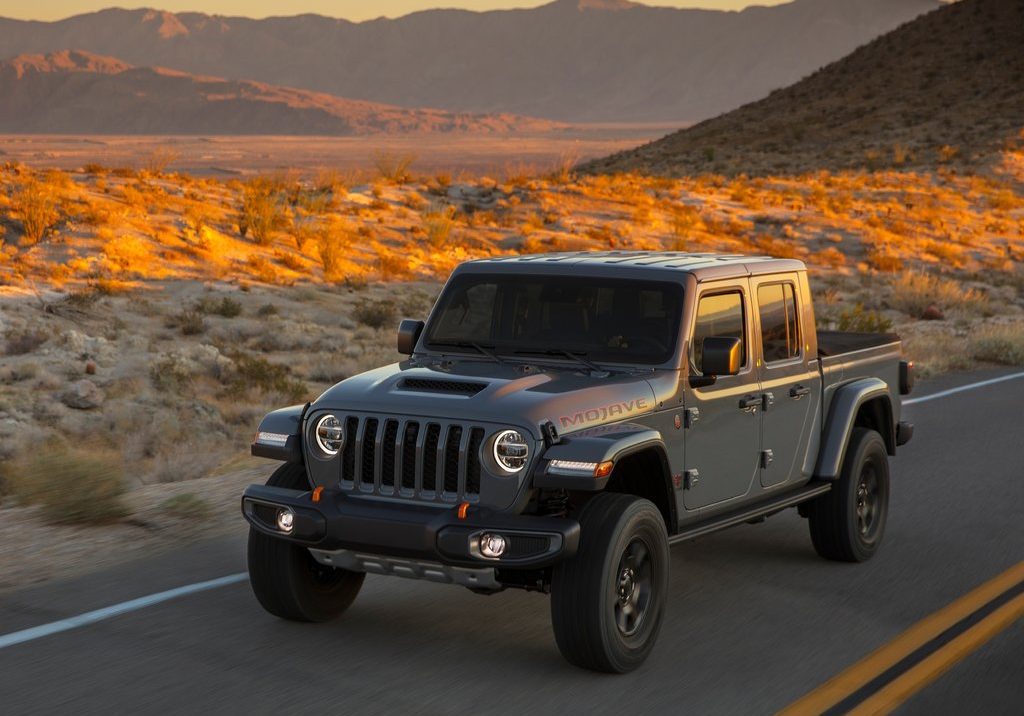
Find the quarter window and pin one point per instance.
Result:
(780, 328)
(720, 314)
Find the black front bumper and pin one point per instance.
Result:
(339, 521)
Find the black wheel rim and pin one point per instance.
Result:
(633, 587)
(868, 503)
(323, 578)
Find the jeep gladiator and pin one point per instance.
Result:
(560, 421)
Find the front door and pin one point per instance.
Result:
(789, 379)
(723, 442)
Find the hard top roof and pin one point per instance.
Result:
(703, 265)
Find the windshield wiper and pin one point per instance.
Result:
(578, 356)
(482, 350)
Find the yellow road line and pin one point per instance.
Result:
(903, 687)
(842, 685)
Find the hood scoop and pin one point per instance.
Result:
(449, 387)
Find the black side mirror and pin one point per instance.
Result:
(409, 331)
(720, 355)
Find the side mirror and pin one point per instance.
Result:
(409, 331)
(720, 355)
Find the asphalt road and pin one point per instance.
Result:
(756, 619)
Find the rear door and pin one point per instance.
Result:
(789, 377)
(723, 443)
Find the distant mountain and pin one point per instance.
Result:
(78, 92)
(945, 88)
(576, 60)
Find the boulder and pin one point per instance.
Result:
(82, 395)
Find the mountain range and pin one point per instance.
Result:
(569, 60)
(947, 88)
(77, 92)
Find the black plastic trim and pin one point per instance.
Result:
(904, 432)
(339, 521)
(750, 512)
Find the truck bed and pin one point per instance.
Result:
(833, 343)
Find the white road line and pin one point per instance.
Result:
(92, 617)
(19, 637)
(962, 388)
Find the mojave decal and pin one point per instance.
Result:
(605, 412)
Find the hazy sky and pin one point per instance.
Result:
(349, 9)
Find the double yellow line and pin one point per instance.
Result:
(889, 676)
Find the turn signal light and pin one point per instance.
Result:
(604, 469)
(317, 493)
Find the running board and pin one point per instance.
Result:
(751, 512)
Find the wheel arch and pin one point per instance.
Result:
(866, 403)
(643, 471)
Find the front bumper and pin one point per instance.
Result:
(343, 522)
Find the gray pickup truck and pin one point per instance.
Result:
(560, 421)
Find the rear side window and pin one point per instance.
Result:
(720, 314)
(780, 328)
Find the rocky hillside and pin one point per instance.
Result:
(571, 60)
(75, 92)
(947, 88)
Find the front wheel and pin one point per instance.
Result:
(607, 602)
(847, 523)
(285, 578)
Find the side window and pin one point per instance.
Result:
(720, 314)
(780, 328)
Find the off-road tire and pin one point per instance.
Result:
(587, 612)
(848, 522)
(285, 578)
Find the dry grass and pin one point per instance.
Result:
(69, 485)
(913, 293)
(36, 205)
(261, 211)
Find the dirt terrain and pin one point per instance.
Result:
(227, 156)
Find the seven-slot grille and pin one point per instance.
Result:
(430, 460)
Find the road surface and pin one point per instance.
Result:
(756, 619)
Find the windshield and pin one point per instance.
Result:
(609, 320)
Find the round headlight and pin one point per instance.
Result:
(329, 435)
(510, 450)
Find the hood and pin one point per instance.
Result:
(516, 394)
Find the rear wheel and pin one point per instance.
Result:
(848, 522)
(607, 601)
(286, 579)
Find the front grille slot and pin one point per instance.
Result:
(430, 457)
(412, 431)
(451, 458)
(476, 437)
(387, 453)
(398, 457)
(368, 442)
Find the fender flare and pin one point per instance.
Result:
(841, 418)
(279, 436)
(597, 445)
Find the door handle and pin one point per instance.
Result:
(798, 391)
(750, 402)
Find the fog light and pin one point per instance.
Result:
(492, 546)
(285, 520)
